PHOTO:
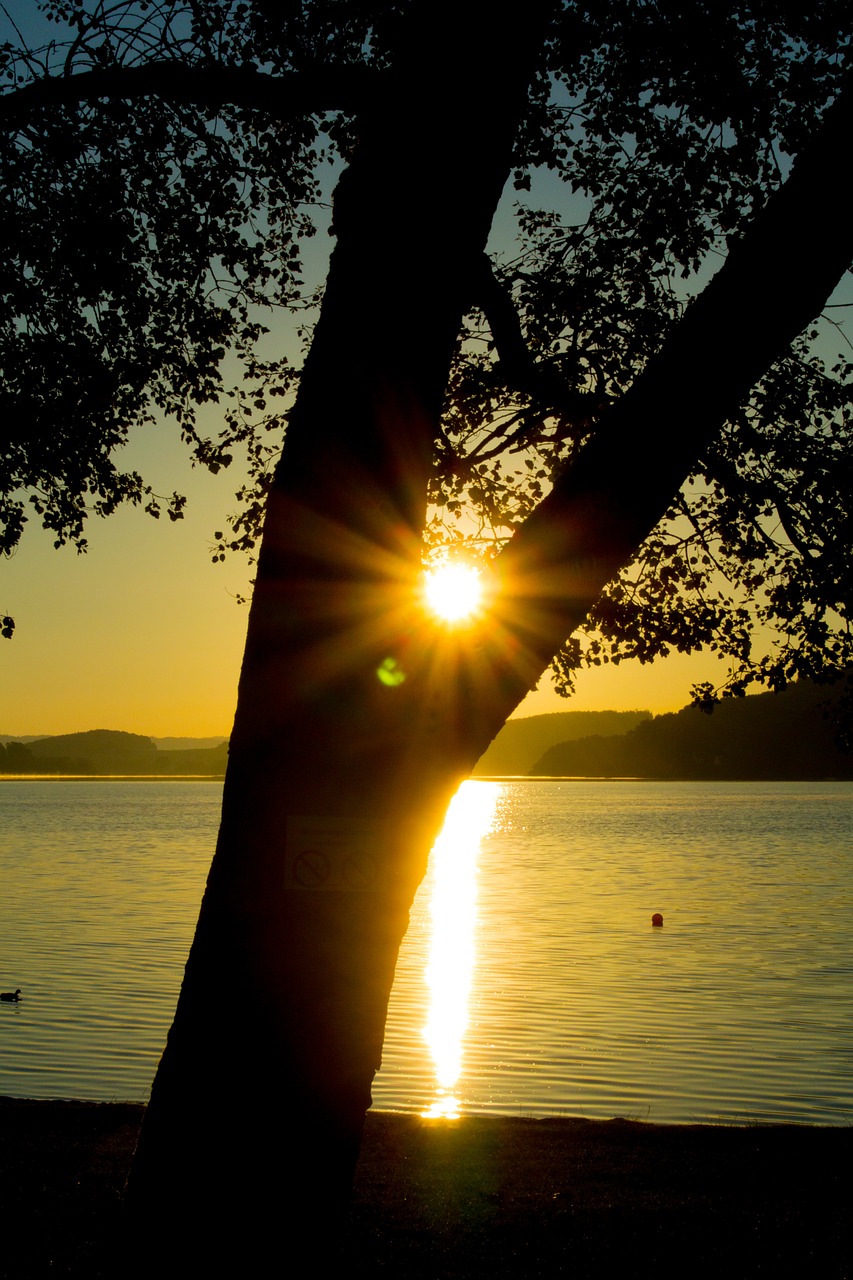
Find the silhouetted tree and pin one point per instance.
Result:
(613, 451)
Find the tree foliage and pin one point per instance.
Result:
(142, 237)
(162, 167)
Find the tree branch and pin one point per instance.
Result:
(601, 510)
(323, 89)
(517, 368)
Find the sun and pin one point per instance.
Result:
(454, 591)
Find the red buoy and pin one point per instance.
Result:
(657, 919)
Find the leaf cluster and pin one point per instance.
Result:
(144, 240)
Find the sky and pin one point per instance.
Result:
(145, 634)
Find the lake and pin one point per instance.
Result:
(531, 981)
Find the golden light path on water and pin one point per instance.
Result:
(453, 916)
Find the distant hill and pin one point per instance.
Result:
(106, 751)
(162, 744)
(96, 751)
(521, 742)
(109, 752)
(765, 736)
(204, 760)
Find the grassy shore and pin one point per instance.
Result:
(490, 1198)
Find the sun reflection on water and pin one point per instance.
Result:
(453, 912)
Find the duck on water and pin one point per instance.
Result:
(11, 997)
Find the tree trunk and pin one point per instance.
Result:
(357, 716)
(344, 750)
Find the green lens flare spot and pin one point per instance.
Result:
(389, 673)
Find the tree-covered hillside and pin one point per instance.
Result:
(521, 742)
(107, 752)
(778, 736)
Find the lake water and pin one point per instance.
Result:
(531, 959)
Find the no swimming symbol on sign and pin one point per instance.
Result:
(332, 853)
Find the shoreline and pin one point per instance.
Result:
(112, 777)
(481, 1197)
(475, 777)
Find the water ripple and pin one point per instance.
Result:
(740, 1008)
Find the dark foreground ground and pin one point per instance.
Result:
(485, 1198)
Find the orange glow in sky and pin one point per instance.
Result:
(145, 634)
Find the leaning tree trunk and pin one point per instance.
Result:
(343, 755)
(338, 778)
